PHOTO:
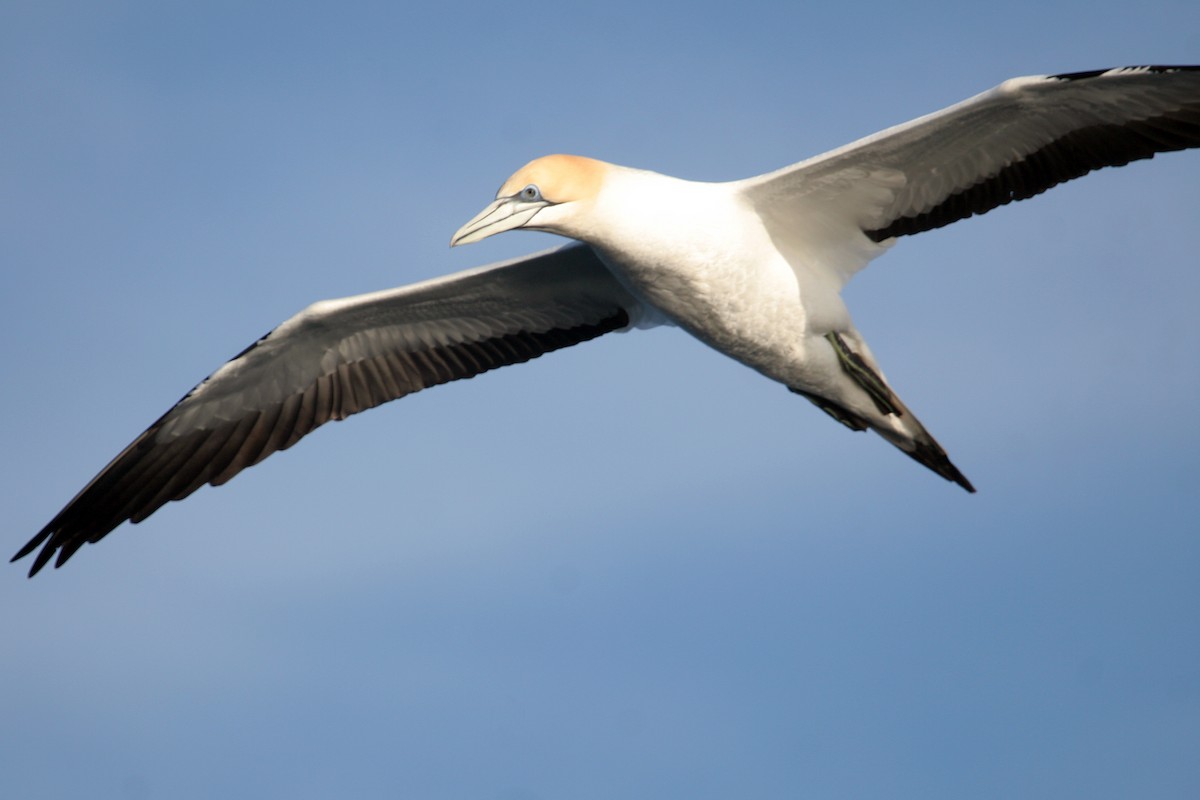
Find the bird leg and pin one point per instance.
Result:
(848, 418)
(864, 376)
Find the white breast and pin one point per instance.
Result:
(701, 255)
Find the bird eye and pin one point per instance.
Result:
(531, 192)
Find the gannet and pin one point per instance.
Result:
(753, 268)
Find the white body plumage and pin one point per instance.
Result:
(753, 268)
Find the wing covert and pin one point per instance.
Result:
(1009, 143)
(337, 358)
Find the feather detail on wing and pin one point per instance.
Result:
(337, 358)
(1010, 143)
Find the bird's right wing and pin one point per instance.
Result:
(334, 359)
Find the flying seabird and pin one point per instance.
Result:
(754, 268)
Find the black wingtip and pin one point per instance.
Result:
(42, 559)
(1096, 73)
(30, 546)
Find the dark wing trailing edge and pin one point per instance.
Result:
(1085, 128)
(1010, 143)
(337, 358)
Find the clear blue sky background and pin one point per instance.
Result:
(633, 569)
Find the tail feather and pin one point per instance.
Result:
(924, 449)
(885, 413)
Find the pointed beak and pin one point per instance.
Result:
(504, 214)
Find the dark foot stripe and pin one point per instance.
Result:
(842, 415)
(864, 376)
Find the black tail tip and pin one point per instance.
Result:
(934, 457)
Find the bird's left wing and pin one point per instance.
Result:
(839, 210)
(334, 359)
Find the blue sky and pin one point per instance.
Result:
(631, 569)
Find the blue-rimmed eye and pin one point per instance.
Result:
(530, 192)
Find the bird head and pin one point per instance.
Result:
(543, 195)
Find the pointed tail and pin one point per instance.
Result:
(892, 419)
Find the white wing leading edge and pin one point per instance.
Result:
(839, 210)
(334, 359)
